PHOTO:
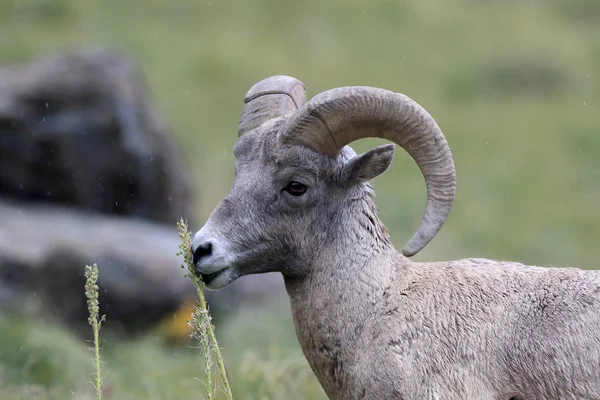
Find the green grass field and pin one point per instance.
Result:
(513, 84)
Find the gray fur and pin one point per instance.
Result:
(372, 323)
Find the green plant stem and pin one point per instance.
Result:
(186, 251)
(200, 333)
(97, 352)
(208, 375)
(91, 292)
(215, 344)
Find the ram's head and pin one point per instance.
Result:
(296, 178)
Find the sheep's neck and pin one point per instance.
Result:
(341, 290)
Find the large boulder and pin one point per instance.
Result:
(78, 128)
(44, 249)
(90, 174)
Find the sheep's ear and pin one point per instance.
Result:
(367, 166)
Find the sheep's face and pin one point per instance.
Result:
(284, 203)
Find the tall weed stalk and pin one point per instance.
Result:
(202, 328)
(91, 292)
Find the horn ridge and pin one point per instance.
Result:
(272, 97)
(339, 116)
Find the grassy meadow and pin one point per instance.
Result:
(514, 85)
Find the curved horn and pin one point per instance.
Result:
(340, 116)
(270, 98)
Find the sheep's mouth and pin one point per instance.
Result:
(208, 278)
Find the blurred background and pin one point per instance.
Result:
(118, 118)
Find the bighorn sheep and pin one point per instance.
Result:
(372, 323)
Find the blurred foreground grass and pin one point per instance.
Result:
(514, 85)
(42, 361)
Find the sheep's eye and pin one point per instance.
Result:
(295, 188)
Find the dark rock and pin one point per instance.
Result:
(89, 174)
(78, 128)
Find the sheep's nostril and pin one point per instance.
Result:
(204, 249)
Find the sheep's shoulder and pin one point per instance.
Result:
(471, 320)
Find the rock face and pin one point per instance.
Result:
(78, 128)
(44, 249)
(89, 174)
